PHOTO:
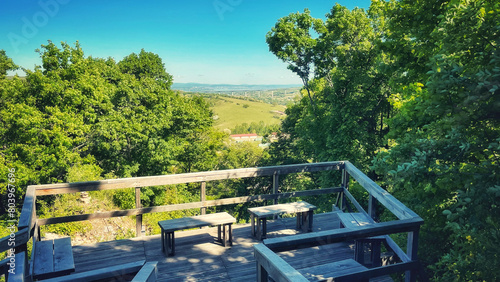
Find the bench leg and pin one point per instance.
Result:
(227, 236)
(359, 252)
(252, 221)
(170, 243)
(264, 228)
(259, 232)
(163, 241)
(310, 215)
(375, 256)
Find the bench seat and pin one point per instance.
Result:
(330, 271)
(222, 220)
(353, 220)
(258, 216)
(53, 258)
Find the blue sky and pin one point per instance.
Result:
(203, 41)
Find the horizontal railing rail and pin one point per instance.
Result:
(186, 206)
(270, 264)
(147, 181)
(28, 220)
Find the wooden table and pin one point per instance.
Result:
(222, 220)
(258, 216)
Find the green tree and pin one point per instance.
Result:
(146, 64)
(116, 118)
(444, 153)
(350, 85)
(6, 64)
(291, 41)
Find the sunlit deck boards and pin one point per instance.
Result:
(200, 258)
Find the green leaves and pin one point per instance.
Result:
(6, 64)
(78, 117)
(345, 117)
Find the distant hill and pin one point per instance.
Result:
(231, 112)
(272, 94)
(216, 88)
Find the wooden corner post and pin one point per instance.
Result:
(411, 251)
(203, 196)
(138, 218)
(276, 180)
(345, 185)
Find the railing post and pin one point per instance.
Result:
(203, 196)
(345, 185)
(372, 207)
(138, 218)
(262, 275)
(276, 179)
(411, 251)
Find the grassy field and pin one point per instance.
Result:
(230, 112)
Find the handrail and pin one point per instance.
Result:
(389, 201)
(342, 234)
(146, 181)
(186, 206)
(409, 222)
(28, 219)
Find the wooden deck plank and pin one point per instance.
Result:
(200, 258)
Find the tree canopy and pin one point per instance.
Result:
(409, 90)
(121, 119)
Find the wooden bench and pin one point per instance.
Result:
(52, 258)
(330, 271)
(222, 220)
(258, 216)
(353, 220)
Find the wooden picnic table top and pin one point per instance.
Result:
(175, 224)
(295, 207)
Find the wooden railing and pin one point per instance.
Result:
(270, 264)
(29, 224)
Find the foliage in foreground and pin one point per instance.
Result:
(409, 89)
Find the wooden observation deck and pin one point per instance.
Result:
(286, 255)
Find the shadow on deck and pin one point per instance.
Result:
(200, 258)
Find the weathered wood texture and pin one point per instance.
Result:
(28, 217)
(339, 235)
(51, 189)
(148, 273)
(101, 273)
(186, 206)
(386, 199)
(332, 270)
(53, 258)
(21, 269)
(279, 269)
(199, 259)
(21, 237)
(196, 221)
(295, 207)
